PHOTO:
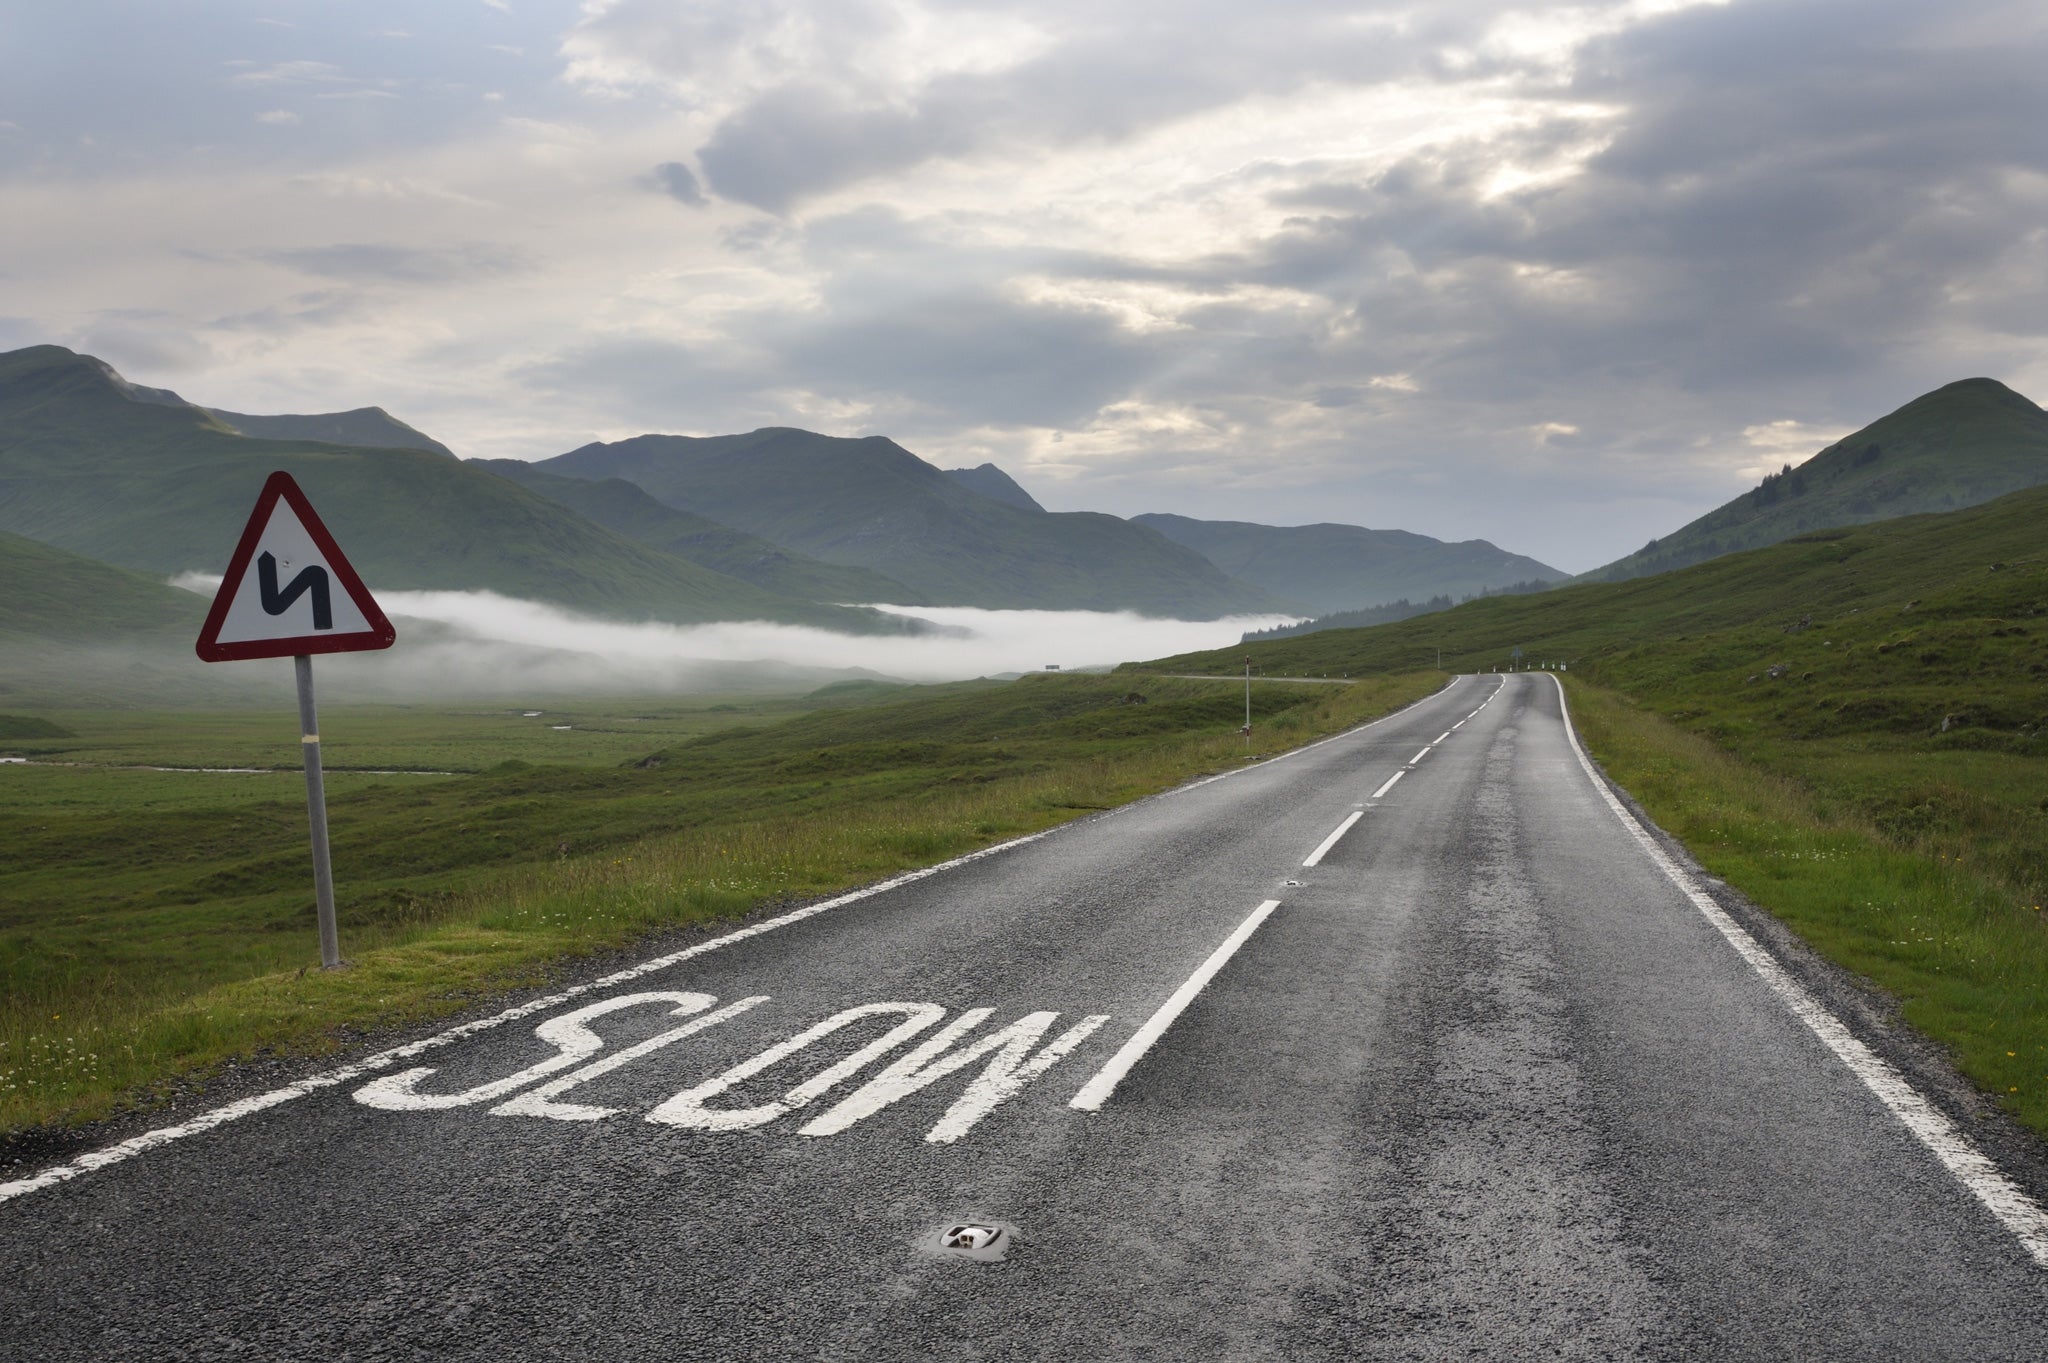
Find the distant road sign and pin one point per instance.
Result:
(289, 590)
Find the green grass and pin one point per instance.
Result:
(156, 923)
(1848, 725)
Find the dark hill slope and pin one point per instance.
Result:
(1958, 446)
(992, 483)
(871, 503)
(628, 509)
(1346, 567)
(159, 488)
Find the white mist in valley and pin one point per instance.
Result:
(480, 643)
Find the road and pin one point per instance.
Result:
(1485, 1081)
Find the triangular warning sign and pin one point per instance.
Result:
(288, 589)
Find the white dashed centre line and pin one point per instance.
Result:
(1418, 757)
(1316, 856)
(1390, 784)
(1097, 1090)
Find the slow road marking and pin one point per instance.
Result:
(1012, 1054)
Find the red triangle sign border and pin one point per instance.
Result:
(281, 487)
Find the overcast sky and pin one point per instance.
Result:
(1561, 277)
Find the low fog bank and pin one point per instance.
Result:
(478, 643)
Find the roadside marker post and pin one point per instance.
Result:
(1247, 704)
(303, 598)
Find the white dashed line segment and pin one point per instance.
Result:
(1390, 784)
(1315, 857)
(1097, 1090)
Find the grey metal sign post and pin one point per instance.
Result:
(316, 812)
(303, 598)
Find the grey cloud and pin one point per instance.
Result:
(368, 262)
(801, 141)
(1106, 81)
(144, 339)
(974, 358)
(675, 179)
(654, 385)
(319, 308)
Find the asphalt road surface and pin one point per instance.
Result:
(1484, 1081)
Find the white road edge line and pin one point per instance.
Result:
(221, 1116)
(2003, 1198)
(1097, 1090)
(1390, 783)
(1316, 856)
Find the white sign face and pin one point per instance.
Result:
(288, 589)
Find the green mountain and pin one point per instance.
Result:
(366, 427)
(1329, 568)
(87, 465)
(871, 503)
(1957, 446)
(627, 508)
(992, 483)
(371, 427)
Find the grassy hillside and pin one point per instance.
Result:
(153, 923)
(162, 489)
(622, 506)
(56, 595)
(871, 503)
(1957, 446)
(1848, 727)
(1329, 568)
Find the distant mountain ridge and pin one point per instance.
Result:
(630, 510)
(1963, 444)
(870, 503)
(1330, 568)
(91, 464)
(365, 427)
(368, 427)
